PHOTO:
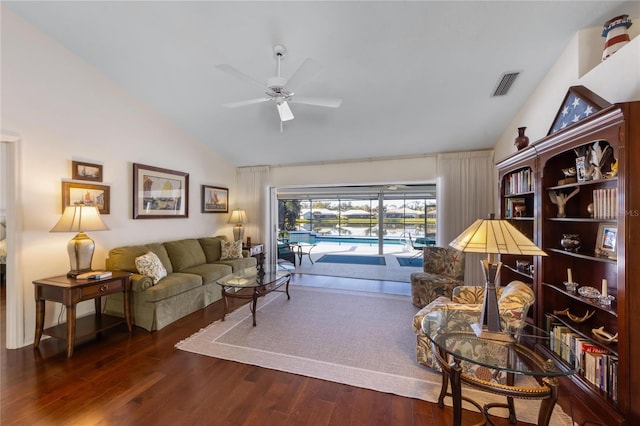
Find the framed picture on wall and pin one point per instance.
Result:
(86, 193)
(86, 171)
(159, 193)
(607, 241)
(215, 199)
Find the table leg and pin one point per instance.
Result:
(224, 304)
(71, 329)
(547, 404)
(127, 308)
(40, 306)
(254, 305)
(286, 288)
(97, 302)
(456, 391)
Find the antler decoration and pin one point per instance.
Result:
(560, 199)
(575, 318)
(604, 336)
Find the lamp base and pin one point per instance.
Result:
(484, 333)
(238, 233)
(75, 273)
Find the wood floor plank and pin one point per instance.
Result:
(141, 378)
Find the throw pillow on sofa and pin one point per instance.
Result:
(231, 250)
(149, 264)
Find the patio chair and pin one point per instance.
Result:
(286, 252)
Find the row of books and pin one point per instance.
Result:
(590, 360)
(605, 203)
(518, 182)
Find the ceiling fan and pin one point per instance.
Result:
(280, 90)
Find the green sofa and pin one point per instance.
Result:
(193, 266)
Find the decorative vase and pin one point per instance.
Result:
(522, 140)
(615, 33)
(570, 242)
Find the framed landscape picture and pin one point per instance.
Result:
(607, 241)
(159, 193)
(86, 171)
(215, 199)
(86, 193)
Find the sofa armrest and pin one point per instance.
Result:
(140, 282)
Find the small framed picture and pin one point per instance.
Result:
(159, 193)
(86, 171)
(581, 169)
(215, 199)
(607, 241)
(87, 194)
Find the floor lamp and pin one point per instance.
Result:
(493, 236)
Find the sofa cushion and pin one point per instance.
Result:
(161, 252)
(240, 264)
(185, 254)
(170, 286)
(212, 248)
(210, 272)
(150, 264)
(124, 258)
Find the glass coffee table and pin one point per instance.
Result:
(252, 283)
(460, 353)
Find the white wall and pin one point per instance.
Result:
(380, 171)
(63, 109)
(616, 80)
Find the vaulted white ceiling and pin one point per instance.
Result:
(415, 77)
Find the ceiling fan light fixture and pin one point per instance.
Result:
(284, 111)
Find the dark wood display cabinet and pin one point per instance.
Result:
(601, 208)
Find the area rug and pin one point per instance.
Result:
(410, 261)
(356, 338)
(353, 259)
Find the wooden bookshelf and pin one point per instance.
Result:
(616, 126)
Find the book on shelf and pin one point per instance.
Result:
(605, 203)
(518, 182)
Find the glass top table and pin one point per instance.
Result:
(460, 353)
(252, 283)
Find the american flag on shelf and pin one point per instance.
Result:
(573, 110)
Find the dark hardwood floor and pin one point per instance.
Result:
(140, 378)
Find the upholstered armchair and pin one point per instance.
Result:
(443, 270)
(514, 301)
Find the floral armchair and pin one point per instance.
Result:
(514, 301)
(443, 270)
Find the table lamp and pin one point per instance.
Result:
(80, 218)
(238, 216)
(493, 237)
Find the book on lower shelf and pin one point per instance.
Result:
(592, 361)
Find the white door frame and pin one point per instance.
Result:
(15, 336)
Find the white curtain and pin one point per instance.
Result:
(466, 191)
(252, 197)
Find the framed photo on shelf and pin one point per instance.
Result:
(159, 193)
(581, 169)
(215, 199)
(86, 171)
(607, 241)
(86, 193)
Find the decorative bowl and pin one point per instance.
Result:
(590, 292)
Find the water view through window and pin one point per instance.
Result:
(382, 218)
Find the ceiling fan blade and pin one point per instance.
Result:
(242, 76)
(307, 71)
(247, 102)
(285, 111)
(323, 102)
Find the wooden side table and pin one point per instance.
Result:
(256, 250)
(70, 292)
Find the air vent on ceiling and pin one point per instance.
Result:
(505, 83)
